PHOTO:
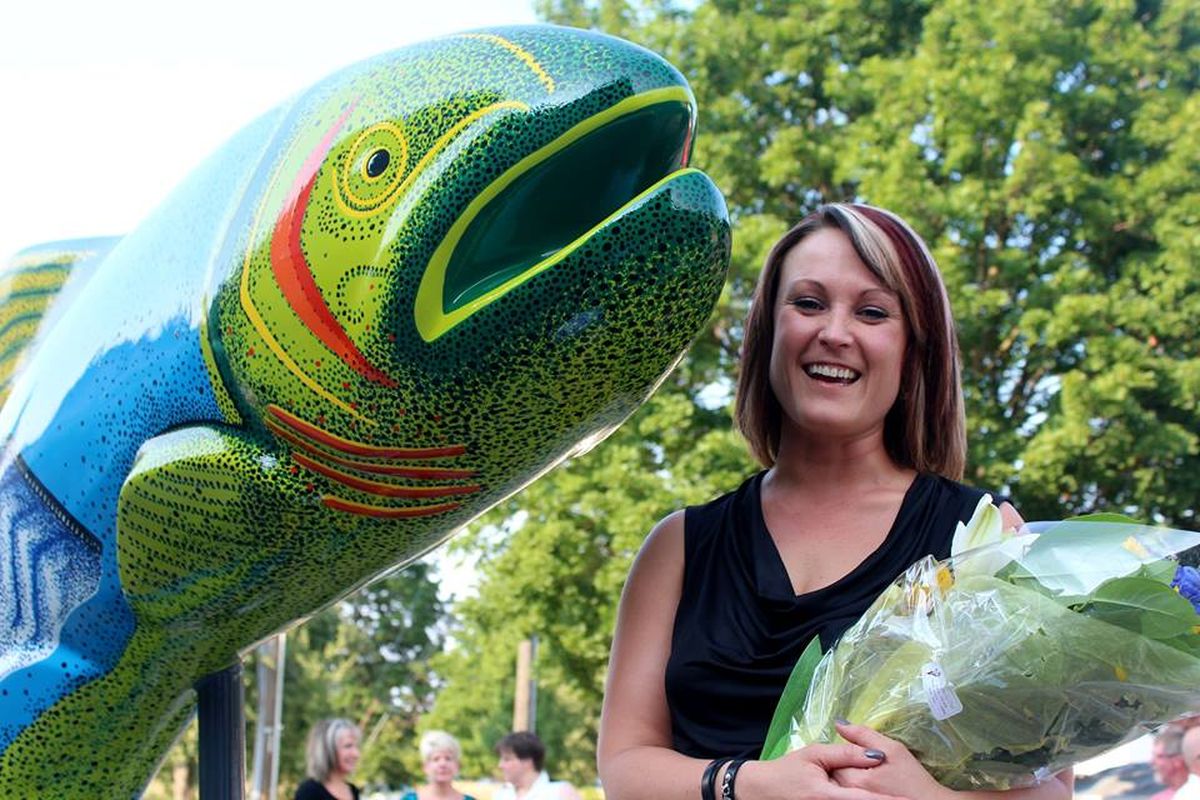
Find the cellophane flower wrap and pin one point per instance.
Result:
(1019, 656)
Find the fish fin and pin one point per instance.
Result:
(30, 283)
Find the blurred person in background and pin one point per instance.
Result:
(1166, 760)
(1190, 749)
(522, 758)
(440, 756)
(331, 756)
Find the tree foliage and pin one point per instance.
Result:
(1049, 152)
(365, 659)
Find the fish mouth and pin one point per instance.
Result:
(552, 201)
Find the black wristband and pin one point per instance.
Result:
(730, 776)
(708, 781)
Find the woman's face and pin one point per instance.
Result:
(840, 337)
(346, 748)
(513, 769)
(441, 766)
(1169, 769)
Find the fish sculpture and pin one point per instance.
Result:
(373, 314)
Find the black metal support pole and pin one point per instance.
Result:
(222, 735)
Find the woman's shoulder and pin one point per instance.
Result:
(691, 522)
(748, 485)
(739, 501)
(958, 502)
(959, 494)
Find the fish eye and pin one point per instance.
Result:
(377, 163)
(372, 169)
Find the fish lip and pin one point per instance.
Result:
(434, 313)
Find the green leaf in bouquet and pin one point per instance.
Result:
(1162, 570)
(886, 693)
(1144, 606)
(791, 704)
(1018, 575)
(1188, 643)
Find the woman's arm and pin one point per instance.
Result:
(634, 752)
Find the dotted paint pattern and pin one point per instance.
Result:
(379, 310)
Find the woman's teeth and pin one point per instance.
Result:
(828, 372)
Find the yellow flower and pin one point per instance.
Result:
(1137, 548)
(1121, 673)
(945, 577)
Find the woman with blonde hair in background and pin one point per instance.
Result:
(440, 755)
(331, 756)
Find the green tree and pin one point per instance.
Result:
(365, 659)
(554, 560)
(1048, 151)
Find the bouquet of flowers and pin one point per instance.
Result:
(1017, 657)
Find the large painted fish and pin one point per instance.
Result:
(374, 313)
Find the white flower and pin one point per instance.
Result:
(993, 547)
(986, 527)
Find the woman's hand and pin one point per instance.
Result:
(901, 772)
(805, 775)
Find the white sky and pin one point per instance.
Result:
(105, 105)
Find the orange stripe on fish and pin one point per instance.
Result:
(294, 275)
(400, 471)
(383, 512)
(379, 488)
(322, 436)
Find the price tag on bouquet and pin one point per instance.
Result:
(943, 702)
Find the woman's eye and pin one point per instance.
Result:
(874, 313)
(807, 304)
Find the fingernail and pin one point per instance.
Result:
(875, 754)
(841, 721)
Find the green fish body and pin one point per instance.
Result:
(377, 311)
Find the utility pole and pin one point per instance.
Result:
(525, 699)
(264, 782)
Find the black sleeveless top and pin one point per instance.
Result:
(740, 628)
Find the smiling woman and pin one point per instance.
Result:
(331, 757)
(849, 396)
(440, 754)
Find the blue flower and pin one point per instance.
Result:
(1187, 583)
